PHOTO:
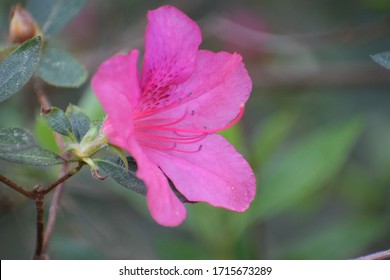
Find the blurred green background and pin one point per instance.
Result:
(316, 131)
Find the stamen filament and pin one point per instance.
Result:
(183, 139)
(150, 135)
(208, 131)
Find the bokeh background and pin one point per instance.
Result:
(316, 132)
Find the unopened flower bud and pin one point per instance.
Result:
(22, 26)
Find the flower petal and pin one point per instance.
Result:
(163, 204)
(219, 85)
(216, 174)
(171, 44)
(116, 85)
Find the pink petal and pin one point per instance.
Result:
(216, 89)
(116, 85)
(171, 44)
(163, 204)
(216, 174)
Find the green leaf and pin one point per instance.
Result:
(353, 236)
(121, 154)
(45, 136)
(304, 168)
(59, 122)
(52, 15)
(18, 67)
(382, 59)
(271, 134)
(17, 145)
(91, 105)
(115, 168)
(80, 122)
(59, 68)
(234, 136)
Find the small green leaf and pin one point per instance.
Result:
(59, 122)
(300, 171)
(80, 122)
(59, 68)
(115, 168)
(52, 15)
(18, 67)
(17, 145)
(45, 136)
(382, 59)
(91, 105)
(121, 154)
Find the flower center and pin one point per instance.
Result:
(167, 134)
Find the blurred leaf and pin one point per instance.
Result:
(17, 69)
(173, 248)
(234, 136)
(52, 15)
(115, 168)
(59, 68)
(304, 168)
(44, 135)
(272, 132)
(17, 145)
(353, 236)
(80, 122)
(381, 5)
(10, 117)
(91, 105)
(382, 59)
(59, 122)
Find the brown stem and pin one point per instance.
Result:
(51, 221)
(64, 175)
(39, 204)
(383, 255)
(62, 179)
(15, 186)
(56, 203)
(41, 96)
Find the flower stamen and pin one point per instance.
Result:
(162, 134)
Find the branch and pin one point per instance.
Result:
(41, 96)
(61, 180)
(64, 175)
(51, 221)
(56, 202)
(16, 187)
(39, 205)
(383, 255)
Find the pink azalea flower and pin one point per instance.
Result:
(166, 118)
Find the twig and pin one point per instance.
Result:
(62, 179)
(64, 175)
(41, 96)
(15, 186)
(39, 204)
(383, 255)
(51, 221)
